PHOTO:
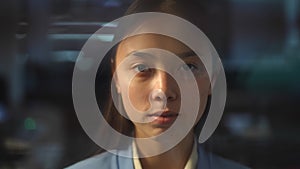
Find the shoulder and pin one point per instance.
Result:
(119, 159)
(103, 160)
(213, 161)
(220, 162)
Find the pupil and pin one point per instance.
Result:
(187, 67)
(142, 68)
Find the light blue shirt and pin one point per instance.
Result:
(206, 160)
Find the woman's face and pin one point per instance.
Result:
(154, 87)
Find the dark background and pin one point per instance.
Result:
(257, 40)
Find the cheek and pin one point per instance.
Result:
(138, 96)
(204, 91)
(203, 87)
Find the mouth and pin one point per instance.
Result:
(163, 118)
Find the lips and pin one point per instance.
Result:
(163, 114)
(163, 118)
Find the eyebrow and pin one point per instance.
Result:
(186, 54)
(140, 54)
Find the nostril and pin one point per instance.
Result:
(158, 99)
(172, 97)
(158, 95)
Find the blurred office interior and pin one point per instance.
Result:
(257, 40)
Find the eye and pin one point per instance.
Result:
(141, 68)
(189, 66)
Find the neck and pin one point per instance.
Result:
(175, 158)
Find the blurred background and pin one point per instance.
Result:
(257, 40)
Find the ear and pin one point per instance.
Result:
(116, 83)
(115, 80)
(209, 89)
(210, 85)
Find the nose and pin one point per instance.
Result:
(165, 87)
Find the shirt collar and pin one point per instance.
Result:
(191, 163)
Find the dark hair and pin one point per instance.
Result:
(189, 10)
(104, 96)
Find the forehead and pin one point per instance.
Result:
(145, 41)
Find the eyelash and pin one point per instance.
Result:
(190, 66)
(143, 68)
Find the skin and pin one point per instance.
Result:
(148, 80)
